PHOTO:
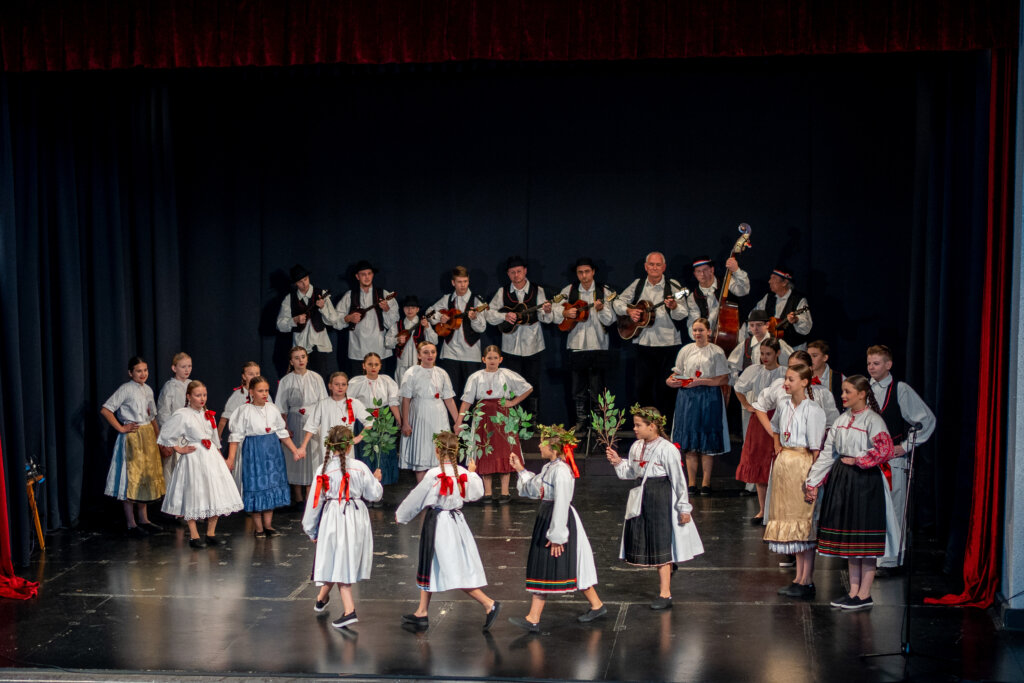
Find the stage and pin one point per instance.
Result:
(114, 608)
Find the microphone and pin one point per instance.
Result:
(914, 426)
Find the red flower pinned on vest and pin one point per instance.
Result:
(207, 444)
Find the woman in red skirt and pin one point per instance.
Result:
(758, 446)
(497, 390)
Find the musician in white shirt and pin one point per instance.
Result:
(460, 351)
(703, 299)
(306, 312)
(368, 329)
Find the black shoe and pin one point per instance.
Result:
(522, 623)
(806, 592)
(152, 528)
(692, 490)
(788, 561)
(757, 520)
(270, 532)
(505, 499)
(196, 543)
(593, 614)
(320, 605)
(705, 490)
(489, 500)
(259, 534)
(662, 603)
(212, 540)
(136, 532)
(745, 493)
(790, 590)
(492, 615)
(841, 601)
(854, 604)
(377, 504)
(415, 620)
(345, 620)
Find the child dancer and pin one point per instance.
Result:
(297, 393)
(201, 486)
(337, 409)
(172, 398)
(426, 391)
(856, 505)
(406, 334)
(560, 559)
(239, 394)
(259, 427)
(449, 557)
(798, 428)
(758, 445)
(135, 475)
(369, 388)
(339, 524)
(663, 533)
(699, 425)
(490, 385)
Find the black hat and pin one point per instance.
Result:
(585, 261)
(758, 315)
(515, 262)
(783, 272)
(411, 300)
(363, 265)
(298, 272)
(703, 261)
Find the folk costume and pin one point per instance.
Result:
(201, 485)
(135, 472)
(490, 388)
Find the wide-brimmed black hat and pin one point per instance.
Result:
(585, 261)
(758, 316)
(515, 262)
(411, 300)
(298, 272)
(363, 265)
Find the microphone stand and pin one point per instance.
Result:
(906, 548)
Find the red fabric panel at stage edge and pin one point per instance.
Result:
(64, 35)
(11, 586)
(981, 559)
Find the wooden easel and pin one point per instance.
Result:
(30, 486)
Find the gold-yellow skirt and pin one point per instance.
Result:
(790, 518)
(136, 472)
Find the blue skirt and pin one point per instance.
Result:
(698, 420)
(388, 463)
(264, 477)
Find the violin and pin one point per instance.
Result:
(629, 329)
(523, 312)
(582, 312)
(727, 328)
(455, 318)
(777, 327)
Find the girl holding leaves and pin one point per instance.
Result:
(379, 393)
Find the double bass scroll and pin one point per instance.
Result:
(727, 327)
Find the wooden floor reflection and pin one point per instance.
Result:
(112, 604)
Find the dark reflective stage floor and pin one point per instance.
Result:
(109, 603)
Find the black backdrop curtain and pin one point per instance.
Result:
(157, 211)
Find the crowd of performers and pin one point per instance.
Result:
(826, 454)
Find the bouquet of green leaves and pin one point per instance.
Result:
(382, 436)
(606, 424)
(517, 423)
(472, 444)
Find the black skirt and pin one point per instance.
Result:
(852, 521)
(647, 538)
(427, 548)
(546, 574)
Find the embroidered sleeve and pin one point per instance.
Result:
(881, 451)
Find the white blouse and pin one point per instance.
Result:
(554, 483)
(770, 397)
(331, 413)
(366, 390)
(756, 378)
(860, 435)
(171, 398)
(799, 426)
(427, 493)
(483, 385)
(188, 427)
(708, 360)
(254, 420)
(239, 397)
(421, 382)
(664, 460)
(132, 402)
(296, 392)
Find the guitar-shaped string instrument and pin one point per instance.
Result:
(364, 311)
(726, 330)
(582, 312)
(455, 318)
(405, 335)
(523, 312)
(777, 328)
(629, 329)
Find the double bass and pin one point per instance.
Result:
(726, 330)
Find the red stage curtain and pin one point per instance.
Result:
(981, 559)
(113, 34)
(11, 586)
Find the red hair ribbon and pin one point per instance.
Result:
(210, 415)
(207, 444)
(345, 485)
(815, 381)
(569, 458)
(323, 483)
(351, 415)
(463, 478)
(447, 484)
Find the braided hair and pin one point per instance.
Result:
(804, 372)
(447, 445)
(862, 383)
(339, 440)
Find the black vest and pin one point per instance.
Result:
(701, 299)
(789, 334)
(378, 295)
(889, 408)
(671, 287)
(835, 381)
(314, 315)
(468, 333)
(747, 360)
(531, 300)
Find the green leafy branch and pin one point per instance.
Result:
(382, 436)
(606, 424)
(473, 444)
(518, 423)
